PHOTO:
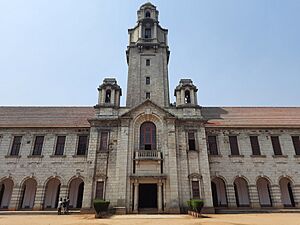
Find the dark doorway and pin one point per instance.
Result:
(214, 194)
(2, 189)
(291, 195)
(80, 195)
(147, 195)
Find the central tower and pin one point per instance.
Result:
(147, 59)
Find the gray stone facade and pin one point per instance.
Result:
(149, 155)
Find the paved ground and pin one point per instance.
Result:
(230, 219)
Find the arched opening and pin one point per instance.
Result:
(148, 136)
(241, 192)
(287, 196)
(147, 14)
(264, 192)
(52, 193)
(6, 188)
(219, 192)
(107, 96)
(28, 194)
(76, 189)
(187, 96)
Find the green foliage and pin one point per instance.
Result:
(100, 205)
(195, 205)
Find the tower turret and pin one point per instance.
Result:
(186, 93)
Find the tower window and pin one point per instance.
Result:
(107, 96)
(187, 97)
(60, 145)
(191, 141)
(147, 32)
(147, 95)
(38, 145)
(148, 136)
(147, 80)
(147, 14)
(147, 62)
(255, 145)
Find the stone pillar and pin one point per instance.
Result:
(155, 31)
(205, 172)
(276, 196)
(231, 196)
(112, 97)
(159, 197)
(136, 197)
(15, 198)
(192, 95)
(140, 30)
(64, 191)
(173, 202)
(182, 96)
(88, 192)
(296, 192)
(122, 162)
(39, 198)
(253, 195)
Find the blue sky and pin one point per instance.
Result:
(238, 52)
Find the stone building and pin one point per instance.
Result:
(150, 154)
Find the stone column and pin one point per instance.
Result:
(88, 192)
(15, 198)
(173, 202)
(136, 197)
(182, 96)
(159, 196)
(155, 31)
(276, 196)
(63, 191)
(112, 97)
(192, 95)
(39, 198)
(231, 196)
(253, 195)
(140, 30)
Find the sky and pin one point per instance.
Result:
(237, 52)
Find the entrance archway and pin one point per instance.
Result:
(76, 189)
(219, 192)
(147, 196)
(52, 193)
(241, 192)
(6, 188)
(28, 194)
(264, 192)
(287, 196)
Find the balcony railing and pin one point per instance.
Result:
(148, 154)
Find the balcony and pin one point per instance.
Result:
(148, 155)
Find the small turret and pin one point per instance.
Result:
(109, 93)
(186, 93)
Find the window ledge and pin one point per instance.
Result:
(279, 156)
(79, 156)
(12, 156)
(58, 156)
(236, 156)
(35, 156)
(194, 150)
(215, 156)
(258, 156)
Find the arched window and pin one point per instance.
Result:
(187, 96)
(107, 96)
(148, 136)
(147, 14)
(147, 32)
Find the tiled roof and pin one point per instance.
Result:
(45, 116)
(216, 116)
(252, 116)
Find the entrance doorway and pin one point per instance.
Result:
(147, 196)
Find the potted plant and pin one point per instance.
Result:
(196, 205)
(100, 206)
